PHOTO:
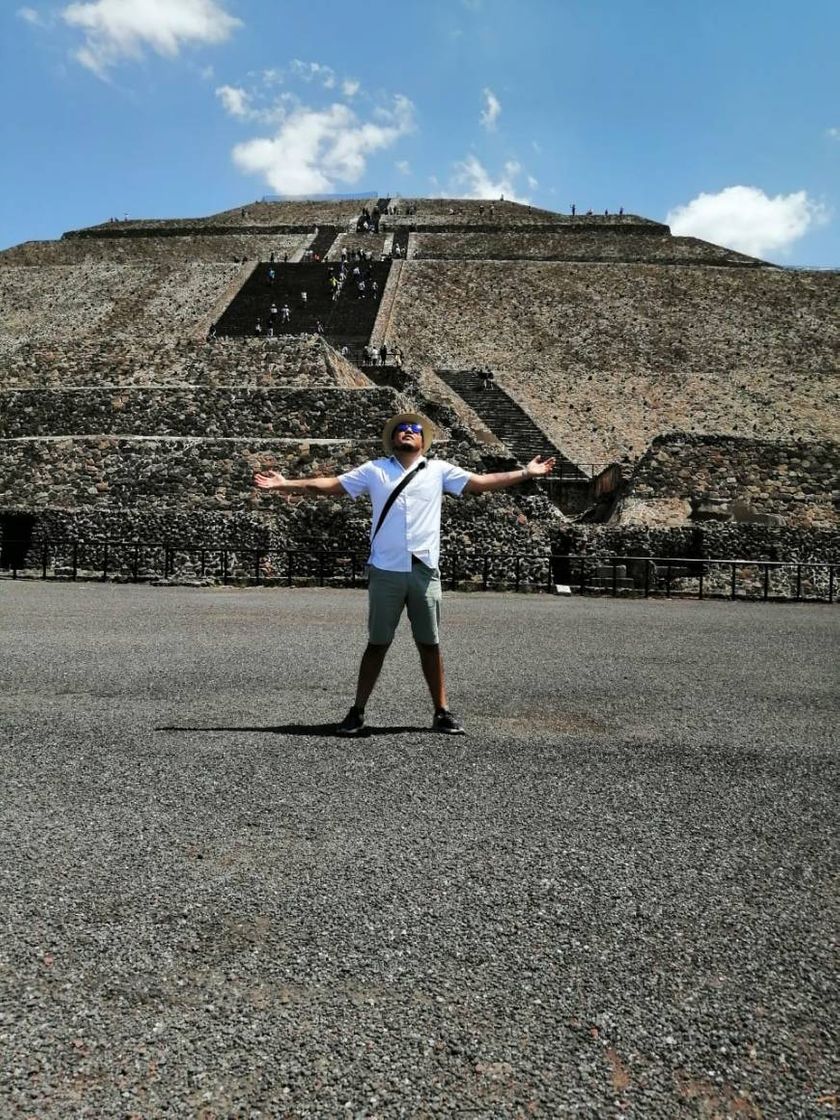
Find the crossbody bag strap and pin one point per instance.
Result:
(395, 493)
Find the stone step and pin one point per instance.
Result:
(346, 318)
(321, 242)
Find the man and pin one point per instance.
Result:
(405, 547)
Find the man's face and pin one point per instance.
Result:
(404, 439)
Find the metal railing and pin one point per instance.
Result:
(640, 576)
(701, 578)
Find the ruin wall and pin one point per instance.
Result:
(241, 411)
(570, 243)
(104, 300)
(607, 357)
(225, 249)
(798, 482)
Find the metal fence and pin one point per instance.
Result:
(640, 576)
(700, 578)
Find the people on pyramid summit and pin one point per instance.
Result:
(406, 492)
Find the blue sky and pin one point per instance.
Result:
(719, 116)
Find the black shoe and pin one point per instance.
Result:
(446, 723)
(352, 723)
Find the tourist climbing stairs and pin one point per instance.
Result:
(306, 290)
(570, 485)
(399, 248)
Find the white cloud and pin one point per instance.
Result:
(833, 133)
(313, 149)
(31, 16)
(747, 220)
(403, 166)
(235, 100)
(314, 72)
(117, 29)
(492, 109)
(477, 182)
(532, 182)
(350, 87)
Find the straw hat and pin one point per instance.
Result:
(408, 418)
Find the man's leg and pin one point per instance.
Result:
(431, 662)
(371, 665)
(386, 598)
(424, 598)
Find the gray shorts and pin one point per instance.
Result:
(388, 592)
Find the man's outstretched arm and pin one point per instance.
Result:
(483, 483)
(314, 487)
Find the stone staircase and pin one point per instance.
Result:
(346, 321)
(322, 241)
(401, 235)
(504, 417)
(569, 486)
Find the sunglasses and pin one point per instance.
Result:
(417, 429)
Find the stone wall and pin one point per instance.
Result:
(343, 213)
(752, 479)
(222, 249)
(200, 491)
(711, 540)
(305, 213)
(326, 413)
(289, 360)
(571, 243)
(107, 301)
(607, 357)
(190, 472)
(467, 211)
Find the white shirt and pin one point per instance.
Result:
(412, 527)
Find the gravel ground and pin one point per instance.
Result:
(612, 898)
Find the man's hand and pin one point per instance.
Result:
(538, 467)
(270, 480)
(310, 487)
(485, 483)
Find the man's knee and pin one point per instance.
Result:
(427, 647)
(377, 649)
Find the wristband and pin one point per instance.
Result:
(525, 475)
